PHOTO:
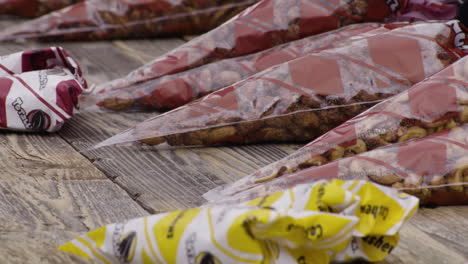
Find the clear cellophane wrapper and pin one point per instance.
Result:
(174, 90)
(435, 104)
(117, 19)
(300, 100)
(39, 89)
(314, 223)
(273, 22)
(432, 168)
(33, 8)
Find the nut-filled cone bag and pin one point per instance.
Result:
(172, 91)
(112, 19)
(32, 8)
(306, 97)
(308, 224)
(435, 104)
(39, 90)
(433, 168)
(273, 22)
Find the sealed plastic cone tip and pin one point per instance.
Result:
(299, 100)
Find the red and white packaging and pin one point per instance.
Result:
(39, 90)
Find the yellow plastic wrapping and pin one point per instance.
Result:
(313, 223)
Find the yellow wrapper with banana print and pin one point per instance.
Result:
(312, 223)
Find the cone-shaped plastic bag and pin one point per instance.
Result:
(178, 89)
(39, 89)
(437, 103)
(273, 22)
(327, 220)
(33, 8)
(433, 168)
(306, 97)
(111, 19)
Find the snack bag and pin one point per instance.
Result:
(314, 223)
(435, 104)
(273, 22)
(306, 97)
(32, 8)
(39, 89)
(39, 59)
(178, 89)
(111, 19)
(433, 168)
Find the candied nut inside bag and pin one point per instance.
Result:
(273, 22)
(433, 168)
(178, 89)
(327, 220)
(32, 8)
(111, 19)
(433, 105)
(306, 97)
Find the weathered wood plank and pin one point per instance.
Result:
(46, 187)
(145, 51)
(418, 247)
(164, 179)
(447, 225)
(36, 248)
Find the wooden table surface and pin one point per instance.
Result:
(53, 188)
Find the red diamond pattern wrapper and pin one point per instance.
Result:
(433, 168)
(306, 97)
(32, 8)
(111, 19)
(273, 22)
(178, 89)
(39, 89)
(438, 103)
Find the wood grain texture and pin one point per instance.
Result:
(419, 247)
(164, 179)
(48, 187)
(36, 248)
(145, 51)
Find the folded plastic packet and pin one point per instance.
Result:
(302, 99)
(39, 89)
(111, 19)
(32, 8)
(178, 89)
(433, 168)
(273, 22)
(314, 223)
(435, 104)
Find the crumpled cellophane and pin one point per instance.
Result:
(314, 223)
(39, 89)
